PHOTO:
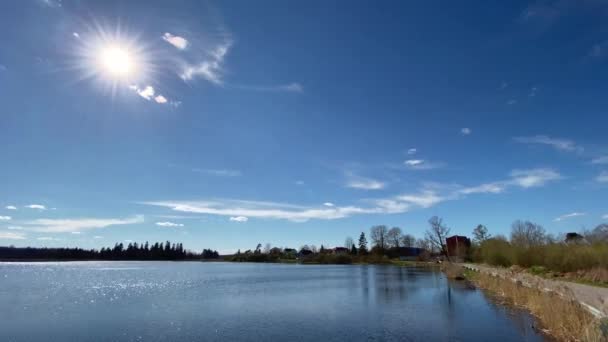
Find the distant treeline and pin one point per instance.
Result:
(133, 251)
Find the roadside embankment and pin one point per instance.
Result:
(567, 311)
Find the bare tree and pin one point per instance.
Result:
(349, 243)
(424, 244)
(394, 237)
(480, 234)
(437, 234)
(379, 236)
(527, 234)
(408, 240)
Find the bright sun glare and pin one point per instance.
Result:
(116, 61)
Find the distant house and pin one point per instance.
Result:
(457, 245)
(341, 250)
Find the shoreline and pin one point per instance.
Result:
(568, 311)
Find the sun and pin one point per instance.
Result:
(116, 61)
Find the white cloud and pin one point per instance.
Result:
(533, 177)
(598, 160)
(36, 206)
(329, 204)
(76, 233)
(5, 218)
(177, 41)
(602, 177)
(239, 218)
(47, 238)
(14, 227)
(147, 92)
(169, 224)
(290, 88)
(412, 151)
(493, 188)
(97, 237)
(75, 225)
(299, 182)
(420, 164)
(605, 217)
(413, 162)
(424, 199)
(11, 236)
(363, 183)
(10, 207)
(219, 172)
(511, 102)
(567, 216)
(465, 131)
(75, 34)
(558, 144)
(160, 99)
(211, 68)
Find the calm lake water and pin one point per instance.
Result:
(194, 301)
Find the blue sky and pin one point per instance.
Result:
(225, 124)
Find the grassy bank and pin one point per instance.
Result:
(560, 316)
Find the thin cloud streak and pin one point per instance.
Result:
(567, 216)
(76, 225)
(558, 144)
(428, 197)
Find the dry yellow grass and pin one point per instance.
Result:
(561, 317)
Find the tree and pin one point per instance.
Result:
(349, 243)
(480, 234)
(267, 248)
(437, 234)
(379, 236)
(362, 244)
(353, 250)
(408, 240)
(394, 237)
(258, 249)
(527, 234)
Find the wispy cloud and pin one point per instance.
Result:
(512, 102)
(169, 224)
(503, 85)
(219, 172)
(567, 216)
(605, 217)
(177, 41)
(533, 177)
(533, 91)
(600, 160)
(47, 238)
(36, 206)
(10, 207)
(290, 88)
(160, 99)
(556, 143)
(5, 218)
(12, 236)
(14, 227)
(602, 177)
(412, 151)
(465, 131)
(239, 218)
(78, 224)
(599, 50)
(299, 182)
(210, 68)
(363, 183)
(421, 164)
(428, 196)
(148, 92)
(97, 237)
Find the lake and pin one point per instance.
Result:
(196, 301)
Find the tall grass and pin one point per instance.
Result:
(561, 317)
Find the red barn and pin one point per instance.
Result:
(457, 245)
